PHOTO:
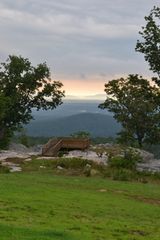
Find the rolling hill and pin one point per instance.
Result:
(97, 124)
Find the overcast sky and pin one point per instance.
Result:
(85, 43)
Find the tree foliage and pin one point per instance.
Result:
(150, 43)
(22, 88)
(5, 134)
(81, 134)
(135, 104)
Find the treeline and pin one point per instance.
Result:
(30, 141)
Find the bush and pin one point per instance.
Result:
(118, 162)
(127, 161)
(132, 155)
(4, 169)
(71, 163)
(122, 175)
(81, 134)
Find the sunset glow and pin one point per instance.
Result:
(77, 87)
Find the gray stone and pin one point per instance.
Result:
(60, 168)
(12, 166)
(21, 149)
(28, 160)
(146, 156)
(94, 172)
(17, 147)
(15, 169)
(88, 154)
(151, 166)
(42, 166)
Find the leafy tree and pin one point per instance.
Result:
(150, 44)
(81, 134)
(135, 104)
(127, 138)
(22, 88)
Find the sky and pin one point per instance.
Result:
(85, 43)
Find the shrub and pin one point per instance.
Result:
(71, 163)
(87, 170)
(122, 175)
(132, 155)
(4, 169)
(128, 160)
(118, 162)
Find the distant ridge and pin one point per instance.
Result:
(96, 97)
(95, 123)
(71, 97)
(89, 97)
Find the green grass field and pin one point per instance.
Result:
(42, 206)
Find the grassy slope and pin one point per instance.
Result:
(36, 206)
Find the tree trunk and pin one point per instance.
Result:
(140, 141)
(2, 133)
(4, 137)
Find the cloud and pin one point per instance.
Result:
(65, 24)
(78, 39)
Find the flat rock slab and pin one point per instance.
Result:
(151, 166)
(28, 160)
(12, 166)
(4, 155)
(12, 154)
(15, 169)
(89, 155)
(46, 158)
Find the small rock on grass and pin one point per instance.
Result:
(42, 166)
(94, 172)
(102, 190)
(59, 168)
(28, 160)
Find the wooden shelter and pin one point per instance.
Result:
(53, 146)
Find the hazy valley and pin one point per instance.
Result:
(73, 116)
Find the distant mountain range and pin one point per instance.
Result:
(90, 97)
(95, 123)
(71, 107)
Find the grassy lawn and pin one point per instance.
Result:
(42, 206)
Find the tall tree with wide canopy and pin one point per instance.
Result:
(135, 104)
(149, 45)
(22, 88)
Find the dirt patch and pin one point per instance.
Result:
(102, 190)
(152, 201)
(138, 233)
(147, 200)
(15, 160)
